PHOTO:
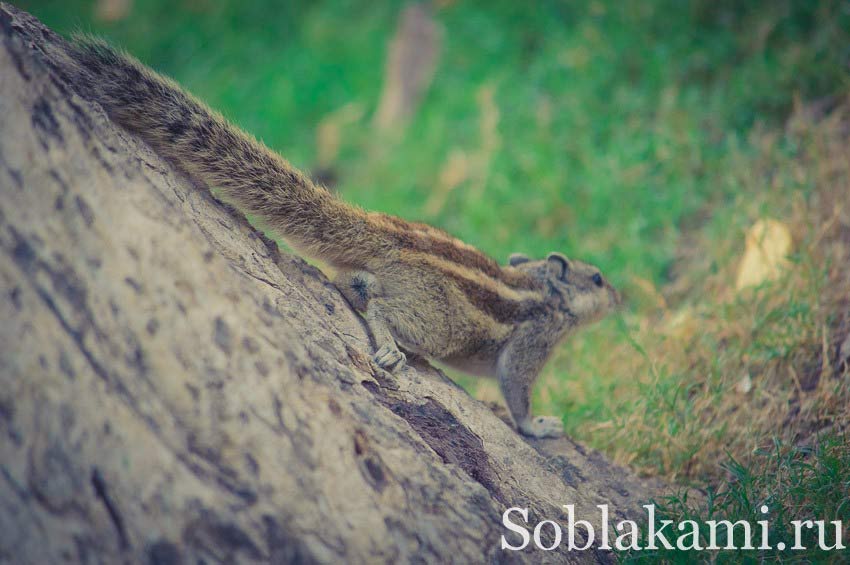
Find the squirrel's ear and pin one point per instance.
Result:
(558, 264)
(517, 259)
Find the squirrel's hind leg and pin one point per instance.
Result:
(360, 288)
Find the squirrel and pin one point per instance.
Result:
(419, 288)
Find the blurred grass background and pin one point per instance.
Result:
(646, 137)
(614, 118)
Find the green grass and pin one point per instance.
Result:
(794, 483)
(645, 137)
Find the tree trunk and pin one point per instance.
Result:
(174, 389)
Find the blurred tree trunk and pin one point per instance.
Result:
(411, 60)
(174, 389)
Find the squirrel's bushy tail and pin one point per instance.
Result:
(252, 177)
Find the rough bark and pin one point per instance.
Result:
(174, 389)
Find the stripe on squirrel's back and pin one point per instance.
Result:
(428, 239)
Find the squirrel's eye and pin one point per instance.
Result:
(597, 279)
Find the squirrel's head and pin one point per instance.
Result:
(576, 288)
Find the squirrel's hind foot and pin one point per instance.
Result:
(390, 358)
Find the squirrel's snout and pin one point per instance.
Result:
(617, 298)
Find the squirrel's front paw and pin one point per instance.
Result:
(541, 427)
(390, 358)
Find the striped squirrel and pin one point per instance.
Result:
(417, 287)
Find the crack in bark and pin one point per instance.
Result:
(102, 493)
(448, 437)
